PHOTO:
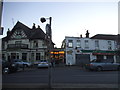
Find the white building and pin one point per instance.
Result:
(24, 43)
(80, 51)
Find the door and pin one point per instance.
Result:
(82, 59)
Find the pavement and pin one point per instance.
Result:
(59, 86)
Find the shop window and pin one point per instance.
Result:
(37, 56)
(24, 56)
(110, 57)
(32, 56)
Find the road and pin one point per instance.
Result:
(61, 76)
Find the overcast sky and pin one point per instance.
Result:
(68, 18)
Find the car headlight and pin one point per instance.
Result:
(13, 65)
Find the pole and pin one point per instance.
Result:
(1, 7)
(50, 78)
(48, 41)
(50, 27)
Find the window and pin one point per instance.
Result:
(35, 44)
(18, 42)
(78, 43)
(32, 56)
(96, 44)
(70, 43)
(109, 45)
(37, 56)
(86, 44)
(18, 34)
(17, 55)
(3, 57)
(24, 56)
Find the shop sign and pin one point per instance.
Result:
(69, 52)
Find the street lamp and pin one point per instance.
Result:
(49, 39)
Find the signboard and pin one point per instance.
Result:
(69, 52)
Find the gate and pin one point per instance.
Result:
(82, 59)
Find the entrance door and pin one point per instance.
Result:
(13, 56)
(82, 59)
(100, 57)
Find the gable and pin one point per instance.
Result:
(18, 34)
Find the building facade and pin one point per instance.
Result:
(25, 43)
(82, 50)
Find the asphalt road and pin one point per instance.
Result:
(66, 76)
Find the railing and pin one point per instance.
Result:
(17, 46)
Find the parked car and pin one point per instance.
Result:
(43, 63)
(105, 64)
(9, 67)
(36, 62)
(22, 63)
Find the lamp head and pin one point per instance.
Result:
(43, 20)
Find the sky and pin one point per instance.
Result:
(68, 18)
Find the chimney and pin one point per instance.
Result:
(81, 36)
(8, 32)
(87, 34)
(38, 26)
(33, 26)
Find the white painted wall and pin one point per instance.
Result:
(103, 45)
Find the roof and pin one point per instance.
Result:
(105, 37)
(34, 33)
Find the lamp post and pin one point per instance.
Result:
(1, 7)
(48, 39)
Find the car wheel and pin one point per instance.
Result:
(99, 68)
(25, 65)
(5, 70)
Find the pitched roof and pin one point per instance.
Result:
(105, 37)
(37, 34)
(34, 33)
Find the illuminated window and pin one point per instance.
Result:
(70, 43)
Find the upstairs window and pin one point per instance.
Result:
(86, 44)
(35, 44)
(18, 42)
(109, 45)
(78, 44)
(70, 43)
(96, 44)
